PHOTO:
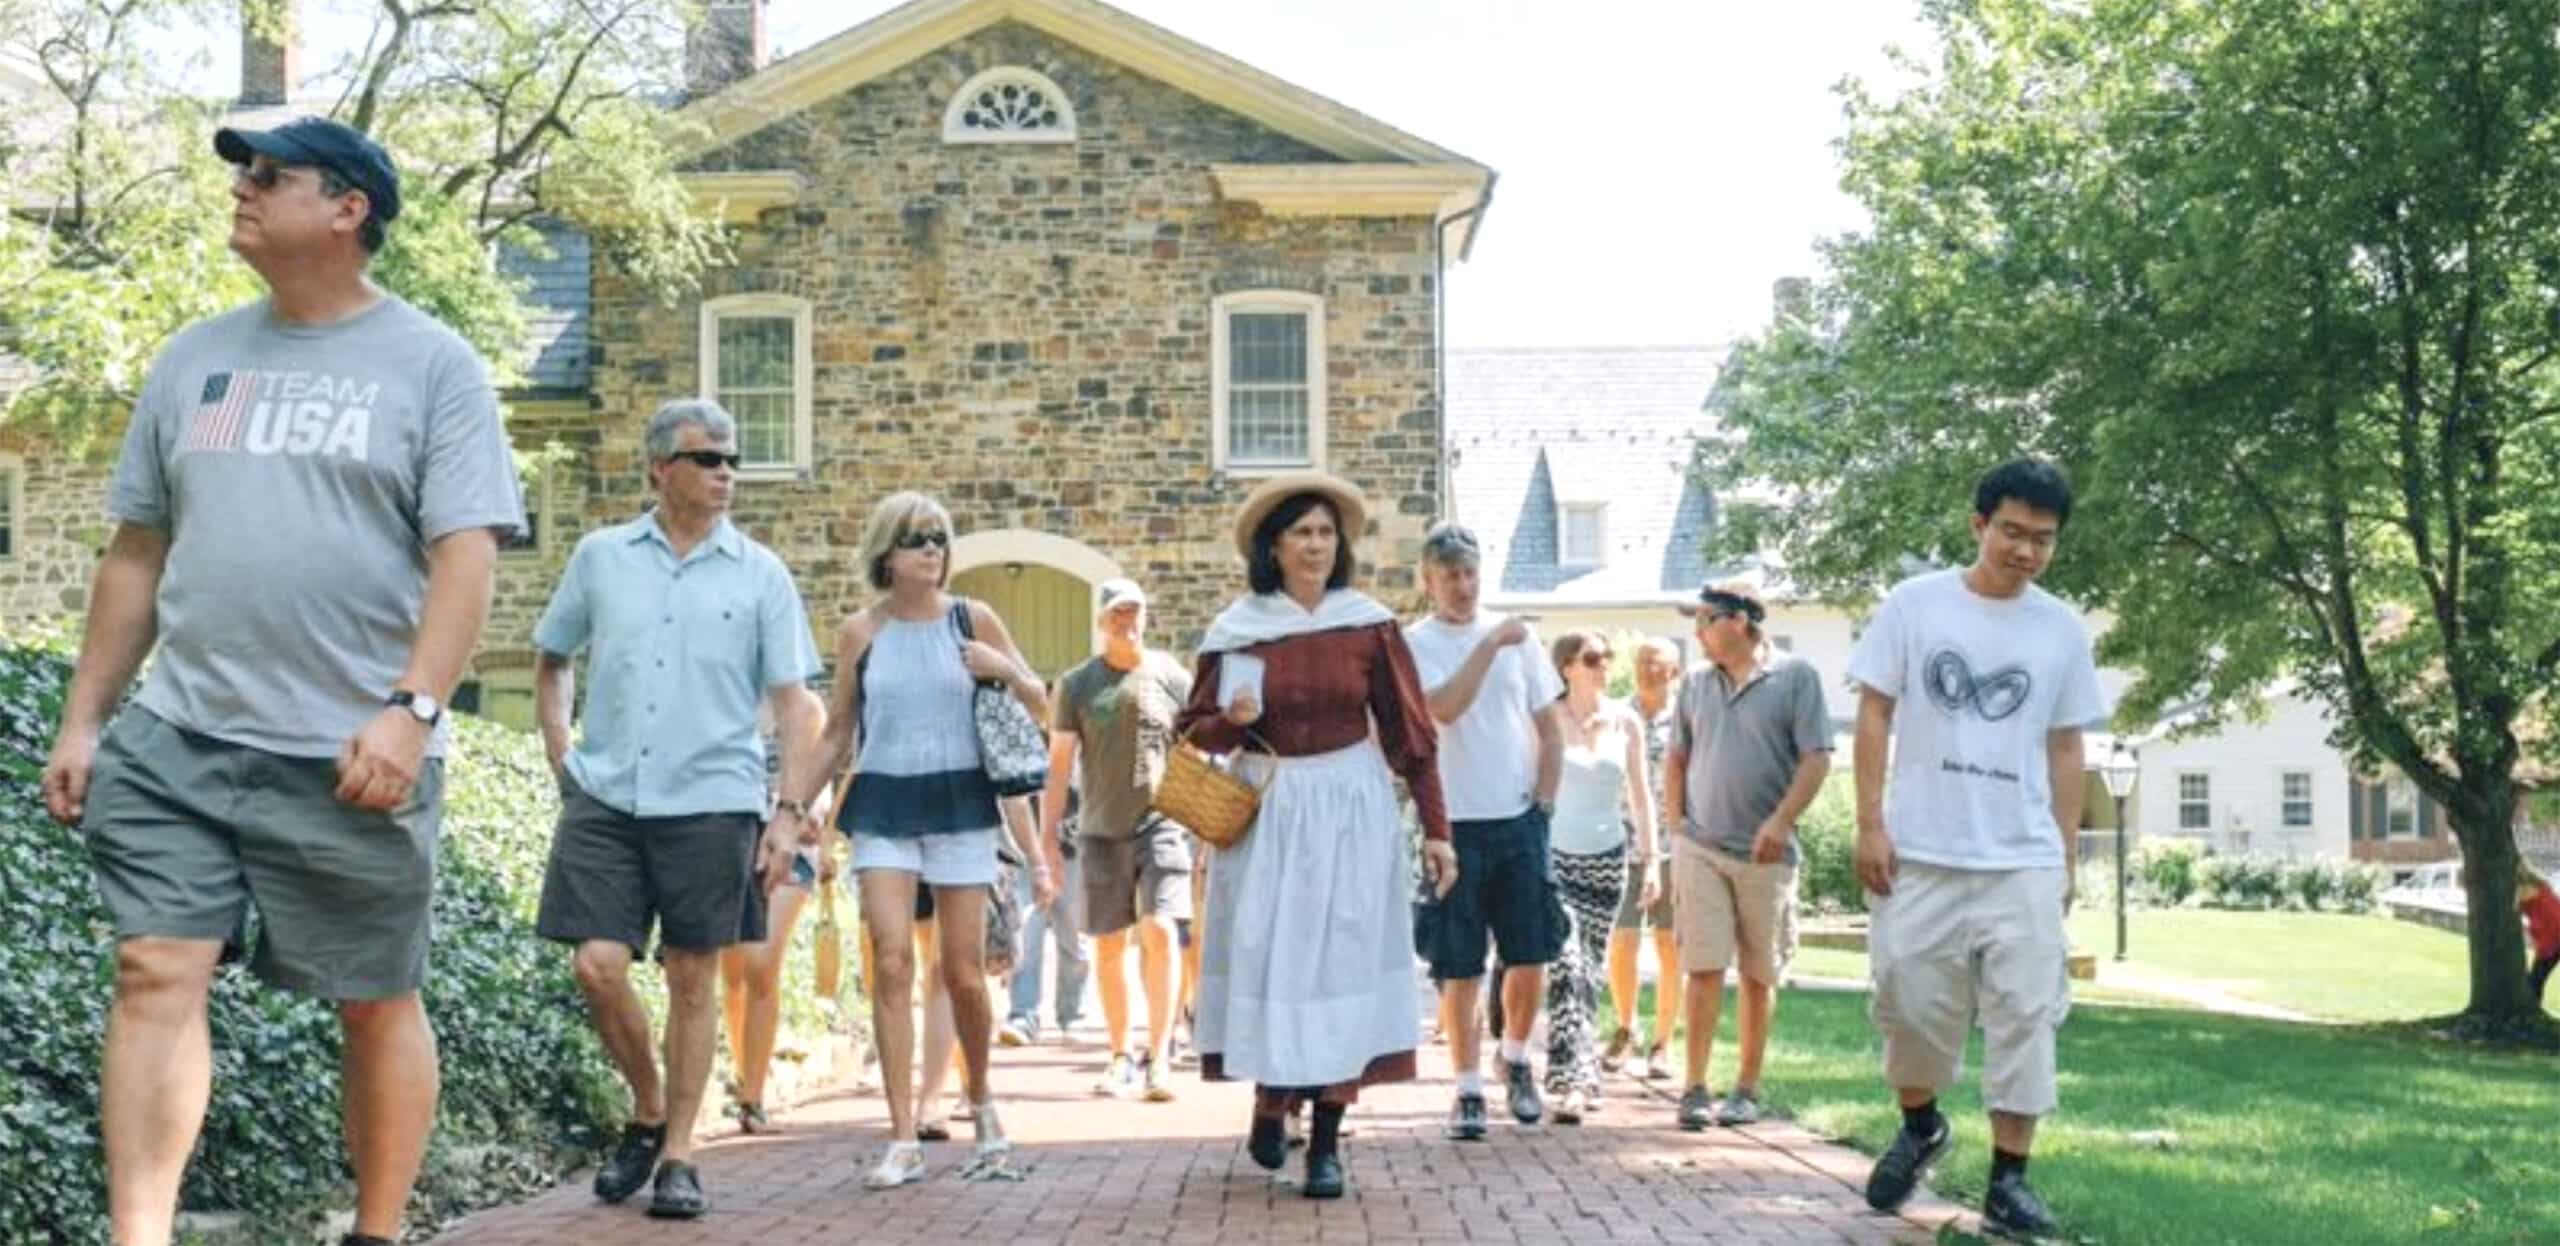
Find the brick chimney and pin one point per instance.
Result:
(269, 62)
(728, 45)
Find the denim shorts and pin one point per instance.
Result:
(1505, 900)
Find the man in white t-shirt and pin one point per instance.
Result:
(1981, 682)
(1494, 695)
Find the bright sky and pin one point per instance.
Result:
(1662, 161)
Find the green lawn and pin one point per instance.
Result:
(2331, 965)
(2352, 968)
(2324, 1135)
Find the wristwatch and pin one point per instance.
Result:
(796, 808)
(421, 706)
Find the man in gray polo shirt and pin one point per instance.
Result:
(1750, 744)
(306, 508)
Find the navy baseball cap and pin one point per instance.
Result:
(319, 142)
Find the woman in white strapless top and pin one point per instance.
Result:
(1602, 796)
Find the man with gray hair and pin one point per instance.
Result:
(1494, 694)
(687, 626)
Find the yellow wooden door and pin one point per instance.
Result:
(1049, 612)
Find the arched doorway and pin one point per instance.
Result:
(1042, 585)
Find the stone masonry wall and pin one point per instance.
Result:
(1024, 332)
(1021, 330)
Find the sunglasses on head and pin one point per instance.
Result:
(1596, 659)
(705, 459)
(922, 537)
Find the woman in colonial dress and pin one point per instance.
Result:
(1307, 966)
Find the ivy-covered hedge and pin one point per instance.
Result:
(527, 1090)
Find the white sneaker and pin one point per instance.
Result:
(901, 1164)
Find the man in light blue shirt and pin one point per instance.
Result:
(687, 626)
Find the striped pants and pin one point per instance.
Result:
(1591, 887)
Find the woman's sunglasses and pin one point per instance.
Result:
(706, 459)
(935, 537)
(1596, 659)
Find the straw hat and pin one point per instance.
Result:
(1350, 509)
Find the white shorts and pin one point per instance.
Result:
(951, 859)
(1952, 947)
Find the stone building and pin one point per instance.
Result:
(1080, 278)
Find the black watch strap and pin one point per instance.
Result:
(407, 700)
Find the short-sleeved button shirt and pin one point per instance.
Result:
(1744, 744)
(680, 652)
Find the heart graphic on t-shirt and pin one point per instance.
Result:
(1992, 697)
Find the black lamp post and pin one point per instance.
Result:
(2120, 771)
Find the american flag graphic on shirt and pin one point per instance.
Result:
(222, 414)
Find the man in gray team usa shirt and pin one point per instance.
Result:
(287, 747)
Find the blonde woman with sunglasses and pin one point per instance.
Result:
(920, 809)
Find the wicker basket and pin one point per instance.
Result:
(1195, 792)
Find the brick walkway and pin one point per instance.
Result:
(1106, 1172)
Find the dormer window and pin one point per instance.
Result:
(1009, 105)
(1582, 534)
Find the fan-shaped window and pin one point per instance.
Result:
(1009, 105)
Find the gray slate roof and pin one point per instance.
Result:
(1530, 427)
(557, 304)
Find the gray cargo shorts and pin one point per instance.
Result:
(186, 832)
(614, 877)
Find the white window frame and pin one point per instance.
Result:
(803, 373)
(1598, 514)
(2394, 789)
(954, 131)
(2285, 802)
(1266, 301)
(13, 508)
(2188, 804)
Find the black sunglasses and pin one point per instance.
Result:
(929, 536)
(1595, 658)
(705, 459)
(266, 176)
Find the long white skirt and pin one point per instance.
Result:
(1306, 975)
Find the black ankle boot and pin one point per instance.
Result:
(1268, 1144)
(1324, 1154)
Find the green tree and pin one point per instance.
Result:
(2280, 284)
(497, 110)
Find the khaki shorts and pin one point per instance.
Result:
(1145, 875)
(1732, 912)
(187, 833)
(1952, 947)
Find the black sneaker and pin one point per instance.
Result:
(679, 1194)
(1521, 1089)
(633, 1159)
(2012, 1209)
(1466, 1118)
(1904, 1165)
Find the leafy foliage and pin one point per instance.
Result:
(2276, 283)
(1826, 856)
(497, 111)
(527, 1090)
